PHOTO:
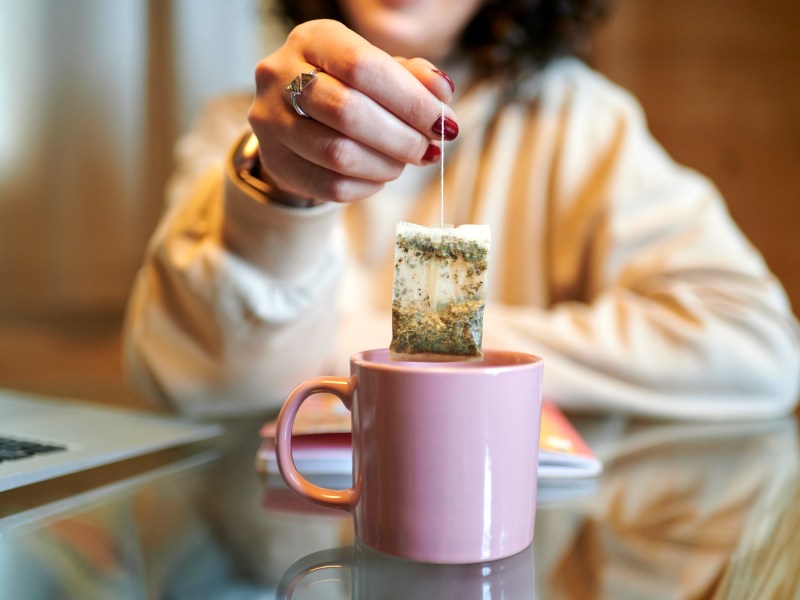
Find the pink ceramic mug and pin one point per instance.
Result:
(445, 455)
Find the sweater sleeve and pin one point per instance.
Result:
(658, 305)
(230, 283)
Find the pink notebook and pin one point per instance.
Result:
(322, 446)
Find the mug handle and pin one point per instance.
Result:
(333, 558)
(343, 388)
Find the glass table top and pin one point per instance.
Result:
(680, 511)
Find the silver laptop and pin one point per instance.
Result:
(42, 438)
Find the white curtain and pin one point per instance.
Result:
(93, 94)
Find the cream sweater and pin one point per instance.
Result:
(622, 269)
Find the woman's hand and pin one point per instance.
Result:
(370, 114)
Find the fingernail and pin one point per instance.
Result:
(432, 154)
(446, 78)
(449, 127)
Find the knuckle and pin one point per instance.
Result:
(298, 34)
(340, 155)
(418, 105)
(358, 67)
(337, 189)
(257, 117)
(349, 64)
(340, 107)
(418, 63)
(308, 33)
(254, 118)
(411, 149)
(265, 74)
(329, 26)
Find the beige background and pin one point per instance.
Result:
(720, 81)
(93, 94)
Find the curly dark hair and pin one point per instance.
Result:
(505, 36)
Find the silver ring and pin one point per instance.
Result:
(297, 86)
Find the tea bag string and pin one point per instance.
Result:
(441, 175)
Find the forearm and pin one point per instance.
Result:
(233, 304)
(686, 351)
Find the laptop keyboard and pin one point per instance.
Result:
(11, 449)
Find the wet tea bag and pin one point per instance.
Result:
(439, 292)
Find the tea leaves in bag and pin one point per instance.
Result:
(439, 292)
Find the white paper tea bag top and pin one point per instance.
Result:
(439, 292)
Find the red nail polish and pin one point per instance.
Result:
(432, 154)
(449, 126)
(446, 78)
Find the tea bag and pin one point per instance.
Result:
(439, 292)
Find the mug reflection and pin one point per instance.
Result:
(360, 573)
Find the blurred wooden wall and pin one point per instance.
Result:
(720, 82)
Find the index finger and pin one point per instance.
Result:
(351, 59)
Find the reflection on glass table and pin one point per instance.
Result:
(673, 507)
(365, 573)
(681, 511)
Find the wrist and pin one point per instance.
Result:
(247, 164)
